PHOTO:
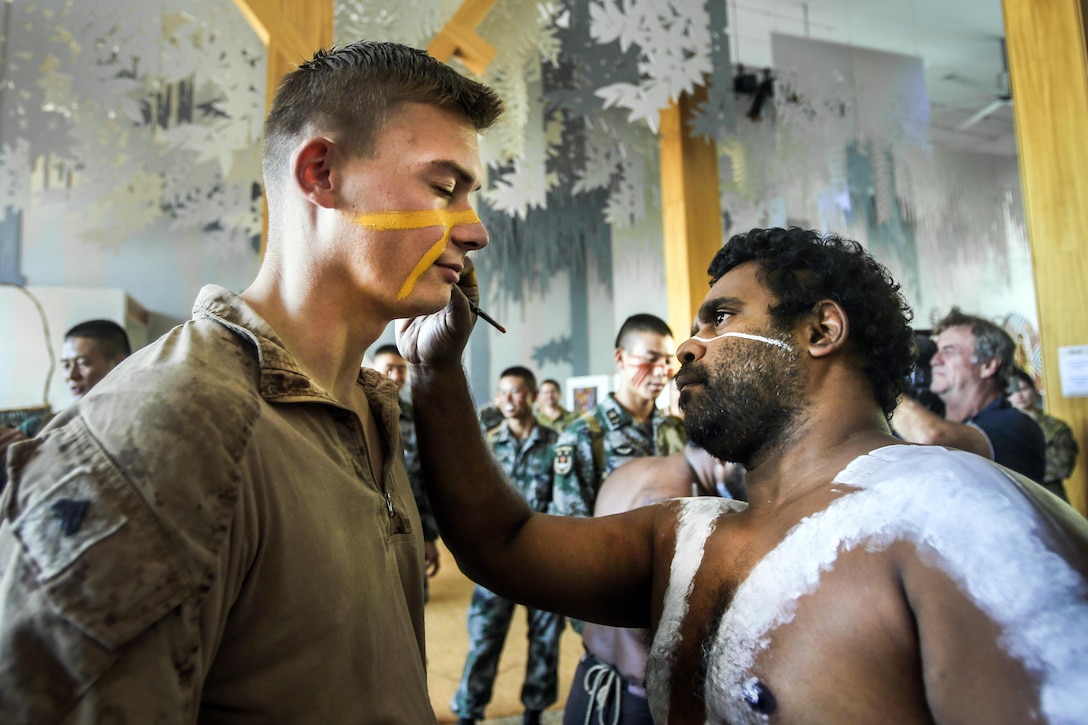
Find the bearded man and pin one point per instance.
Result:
(867, 580)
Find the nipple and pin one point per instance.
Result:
(758, 697)
(746, 336)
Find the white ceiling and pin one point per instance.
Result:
(959, 42)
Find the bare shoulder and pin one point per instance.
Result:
(934, 586)
(644, 481)
(995, 572)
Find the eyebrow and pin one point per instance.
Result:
(463, 174)
(707, 309)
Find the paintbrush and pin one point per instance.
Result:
(485, 317)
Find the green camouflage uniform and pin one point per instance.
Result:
(1061, 453)
(559, 424)
(428, 525)
(415, 473)
(528, 464)
(601, 441)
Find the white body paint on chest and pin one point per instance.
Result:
(698, 517)
(966, 519)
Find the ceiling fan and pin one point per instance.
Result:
(1002, 98)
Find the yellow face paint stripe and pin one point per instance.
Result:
(428, 259)
(419, 220)
(385, 220)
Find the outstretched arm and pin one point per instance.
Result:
(916, 424)
(597, 569)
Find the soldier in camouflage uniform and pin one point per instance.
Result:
(1061, 445)
(626, 425)
(389, 362)
(524, 449)
(548, 410)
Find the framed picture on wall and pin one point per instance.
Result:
(585, 391)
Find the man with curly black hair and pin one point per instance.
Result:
(867, 580)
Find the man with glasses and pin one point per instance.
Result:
(626, 425)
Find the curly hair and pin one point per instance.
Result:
(350, 92)
(991, 342)
(801, 267)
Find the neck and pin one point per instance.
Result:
(962, 407)
(641, 409)
(315, 326)
(552, 411)
(520, 427)
(824, 440)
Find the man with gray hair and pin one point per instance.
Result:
(971, 373)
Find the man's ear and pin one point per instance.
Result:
(617, 356)
(312, 170)
(989, 368)
(826, 328)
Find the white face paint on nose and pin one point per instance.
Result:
(746, 336)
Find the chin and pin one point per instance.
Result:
(424, 304)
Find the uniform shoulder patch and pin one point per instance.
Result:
(613, 417)
(563, 460)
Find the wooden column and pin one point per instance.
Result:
(691, 211)
(1049, 71)
(458, 37)
(291, 31)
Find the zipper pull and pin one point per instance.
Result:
(389, 504)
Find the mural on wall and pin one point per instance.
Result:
(129, 126)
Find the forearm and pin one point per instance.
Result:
(914, 423)
(593, 569)
(477, 510)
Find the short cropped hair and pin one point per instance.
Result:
(991, 342)
(110, 337)
(350, 92)
(387, 349)
(519, 371)
(641, 322)
(801, 267)
(553, 381)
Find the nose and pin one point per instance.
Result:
(470, 236)
(690, 350)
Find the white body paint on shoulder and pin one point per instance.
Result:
(949, 505)
(697, 519)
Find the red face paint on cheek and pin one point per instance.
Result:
(641, 373)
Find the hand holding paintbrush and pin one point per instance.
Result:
(468, 281)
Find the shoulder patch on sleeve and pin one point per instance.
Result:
(100, 555)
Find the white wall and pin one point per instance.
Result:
(29, 345)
